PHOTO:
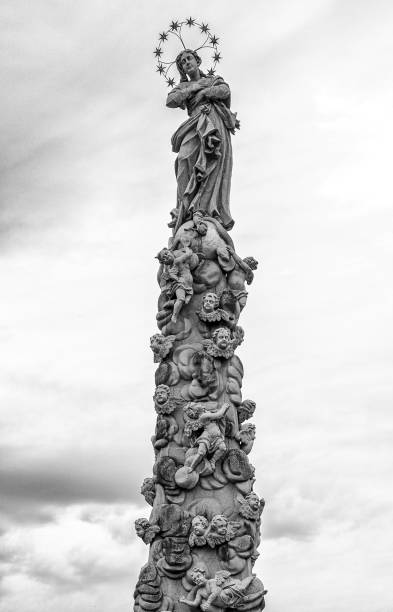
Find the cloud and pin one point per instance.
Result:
(86, 185)
(35, 485)
(82, 550)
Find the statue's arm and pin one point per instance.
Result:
(217, 92)
(214, 416)
(177, 98)
(179, 94)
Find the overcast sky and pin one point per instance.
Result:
(86, 186)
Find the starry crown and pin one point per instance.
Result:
(178, 30)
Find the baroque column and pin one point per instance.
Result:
(204, 527)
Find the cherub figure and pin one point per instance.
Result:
(246, 410)
(241, 274)
(221, 530)
(164, 402)
(206, 431)
(223, 591)
(234, 593)
(199, 527)
(237, 336)
(221, 344)
(205, 588)
(148, 490)
(175, 276)
(210, 312)
(251, 507)
(161, 346)
(246, 436)
(145, 530)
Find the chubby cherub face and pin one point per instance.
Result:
(199, 525)
(165, 256)
(161, 394)
(156, 342)
(222, 338)
(141, 526)
(198, 577)
(253, 501)
(220, 525)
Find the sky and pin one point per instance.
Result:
(86, 186)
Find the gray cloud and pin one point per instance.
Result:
(62, 479)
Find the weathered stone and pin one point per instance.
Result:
(204, 528)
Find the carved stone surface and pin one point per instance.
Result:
(204, 526)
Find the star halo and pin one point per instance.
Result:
(178, 32)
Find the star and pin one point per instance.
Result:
(170, 82)
(160, 68)
(190, 21)
(217, 57)
(174, 26)
(211, 72)
(163, 36)
(204, 28)
(214, 40)
(157, 52)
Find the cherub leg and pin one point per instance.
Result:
(180, 299)
(199, 455)
(218, 453)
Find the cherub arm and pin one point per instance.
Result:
(193, 603)
(218, 92)
(184, 256)
(242, 264)
(212, 597)
(214, 416)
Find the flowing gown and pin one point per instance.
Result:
(203, 143)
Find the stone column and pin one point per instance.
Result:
(204, 528)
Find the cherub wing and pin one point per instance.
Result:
(232, 529)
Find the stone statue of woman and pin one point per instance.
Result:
(203, 143)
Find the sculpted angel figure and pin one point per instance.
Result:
(246, 436)
(161, 346)
(148, 490)
(164, 401)
(223, 591)
(251, 507)
(199, 527)
(206, 430)
(175, 275)
(203, 143)
(145, 530)
(221, 530)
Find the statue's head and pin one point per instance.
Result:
(187, 62)
(165, 256)
(199, 525)
(210, 302)
(161, 394)
(222, 338)
(148, 490)
(198, 575)
(253, 501)
(194, 410)
(222, 576)
(219, 524)
(200, 224)
(141, 525)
